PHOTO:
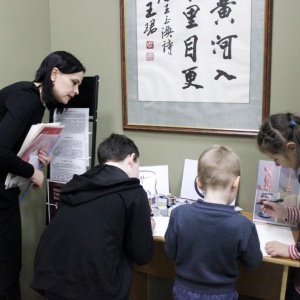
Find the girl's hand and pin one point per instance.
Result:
(275, 210)
(275, 248)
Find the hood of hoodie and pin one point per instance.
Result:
(97, 182)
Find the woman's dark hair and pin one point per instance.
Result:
(116, 148)
(66, 63)
(277, 131)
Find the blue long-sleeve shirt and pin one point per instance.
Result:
(206, 240)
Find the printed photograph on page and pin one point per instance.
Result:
(278, 184)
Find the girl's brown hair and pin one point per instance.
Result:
(277, 131)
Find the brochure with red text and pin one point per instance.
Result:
(40, 136)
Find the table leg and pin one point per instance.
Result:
(285, 273)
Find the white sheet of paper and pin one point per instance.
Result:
(63, 169)
(76, 131)
(155, 179)
(188, 188)
(271, 232)
(161, 225)
(188, 180)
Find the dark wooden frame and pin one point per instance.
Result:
(266, 84)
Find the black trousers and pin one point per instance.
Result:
(13, 292)
(10, 244)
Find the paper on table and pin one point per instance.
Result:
(271, 232)
(155, 179)
(266, 232)
(161, 225)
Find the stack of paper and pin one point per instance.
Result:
(40, 136)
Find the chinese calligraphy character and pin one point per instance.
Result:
(167, 32)
(150, 29)
(191, 15)
(226, 75)
(149, 11)
(223, 9)
(167, 10)
(225, 44)
(191, 47)
(190, 76)
(167, 45)
(167, 20)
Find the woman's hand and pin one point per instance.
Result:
(275, 248)
(274, 210)
(44, 158)
(37, 179)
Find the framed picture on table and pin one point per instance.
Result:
(196, 66)
(275, 184)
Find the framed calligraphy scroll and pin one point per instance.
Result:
(197, 66)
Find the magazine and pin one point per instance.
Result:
(54, 188)
(39, 136)
(276, 184)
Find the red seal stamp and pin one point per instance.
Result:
(149, 56)
(150, 44)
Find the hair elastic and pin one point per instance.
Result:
(293, 123)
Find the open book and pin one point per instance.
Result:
(43, 135)
(279, 184)
(275, 183)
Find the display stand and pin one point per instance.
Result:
(87, 98)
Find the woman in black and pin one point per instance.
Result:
(23, 104)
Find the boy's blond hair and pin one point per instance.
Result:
(218, 166)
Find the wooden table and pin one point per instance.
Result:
(268, 281)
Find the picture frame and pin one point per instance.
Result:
(234, 119)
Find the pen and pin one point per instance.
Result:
(274, 201)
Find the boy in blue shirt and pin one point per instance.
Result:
(207, 238)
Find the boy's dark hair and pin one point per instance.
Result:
(277, 131)
(116, 148)
(66, 63)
